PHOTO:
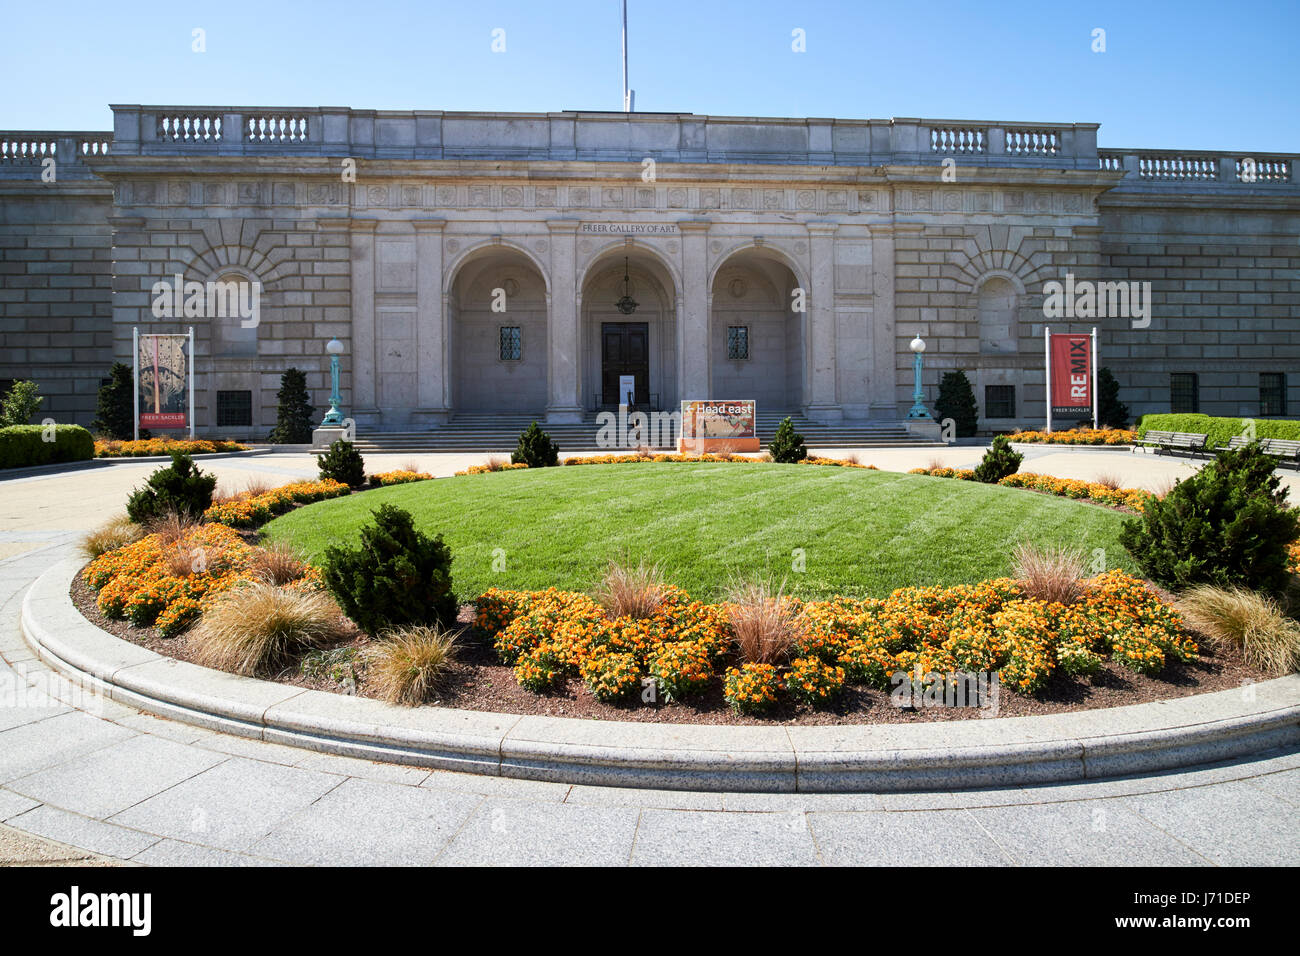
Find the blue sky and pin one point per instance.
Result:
(1190, 75)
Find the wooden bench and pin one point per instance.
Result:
(1191, 442)
(1286, 450)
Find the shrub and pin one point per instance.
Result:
(1049, 574)
(764, 624)
(1219, 429)
(398, 575)
(342, 463)
(115, 405)
(294, 414)
(1250, 622)
(625, 591)
(259, 628)
(20, 403)
(752, 688)
(787, 444)
(110, 536)
(998, 462)
(535, 449)
(1226, 525)
(22, 446)
(1111, 412)
(408, 664)
(180, 487)
(813, 681)
(957, 401)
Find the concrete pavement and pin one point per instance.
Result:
(107, 780)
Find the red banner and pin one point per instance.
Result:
(1072, 374)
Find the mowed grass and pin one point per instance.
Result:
(853, 532)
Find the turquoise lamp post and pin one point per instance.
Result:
(334, 418)
(918, 409)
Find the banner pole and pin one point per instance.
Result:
(1047, 353)
(191, 384)
(135, 378)
(1094, 378)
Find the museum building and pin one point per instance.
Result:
(521, 264)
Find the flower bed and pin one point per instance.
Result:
(399, 477)
(1132, 498)
(1293, 551)
(637, 459)
(1078, 436)
(248, 511)
(164, 446)
(685, 646)
(168, 584)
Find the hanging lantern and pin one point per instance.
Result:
(627, 305)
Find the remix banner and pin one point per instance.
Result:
(1071, 357)
(162, 384)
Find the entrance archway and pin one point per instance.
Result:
(497, 317)
(755, 339)
(641, 344)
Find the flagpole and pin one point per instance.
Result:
(1047, 350)
(627, 106)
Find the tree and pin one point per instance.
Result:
(180, 487)
(787, 444)
(998, 462)
(115, 409)
(1111, 412)
(342, 463)
(957, 401)
(294, 414)
(535, 449)
(20, 404)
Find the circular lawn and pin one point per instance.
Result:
(825, 530)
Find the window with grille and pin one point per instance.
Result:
(512, 343)
(999, 401)
(235, 409)
(1272, 393)
(1184, 393)
(738, 342)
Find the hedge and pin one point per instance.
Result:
(22, 445)
(1219, 429)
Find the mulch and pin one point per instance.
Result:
(478, 682)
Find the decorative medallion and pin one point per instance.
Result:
(410, 195)
(742, 199)
(806, 199)
(837, 198)
(479, 195)
(645, 198)
(671, 247)
(512, 195)
(866, 199)
(249, 193)
(612, 196)
(737, 287)
(452, 245)
(715, 246)
(377, 195)
(544, 195)
(773, 198)
(446, 195)
(178, 193)
(214, 194)
(144, 192)
(677, 197)
(801, 247)
(540, 245)
(579, 196)
(511, 287)
(952, 200)
(710, 198)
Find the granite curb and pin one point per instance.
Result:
(1081, 745)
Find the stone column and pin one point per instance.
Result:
(563, 335)
(884, 345)
(365, 409)
(820, 328)
(430, 326)
(694, 371)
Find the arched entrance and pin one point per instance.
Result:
(497, 318)
(640, 344)
(755, 337)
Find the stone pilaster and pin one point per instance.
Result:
(820, 328)
(431, 340)
(693, 366)
(365, 408)
(882, 388)
(563, 337)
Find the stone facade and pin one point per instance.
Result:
(430, 243)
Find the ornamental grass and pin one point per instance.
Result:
(1049, 574)
(279, 563)
(259, 628)
(627, 591)
(764, 622)
(408, 665)
(1251, 622)
(113, 534)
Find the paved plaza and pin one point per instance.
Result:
(104, 783)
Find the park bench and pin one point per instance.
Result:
(1191, 442)
(1286, 450)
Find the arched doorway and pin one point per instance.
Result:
(755, 337)
(640, 344)
(497, 317)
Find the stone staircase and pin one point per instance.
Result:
(497, 433)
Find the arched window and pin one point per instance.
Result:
(234, 315)
(997, 314)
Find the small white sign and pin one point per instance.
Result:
(626, 389)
